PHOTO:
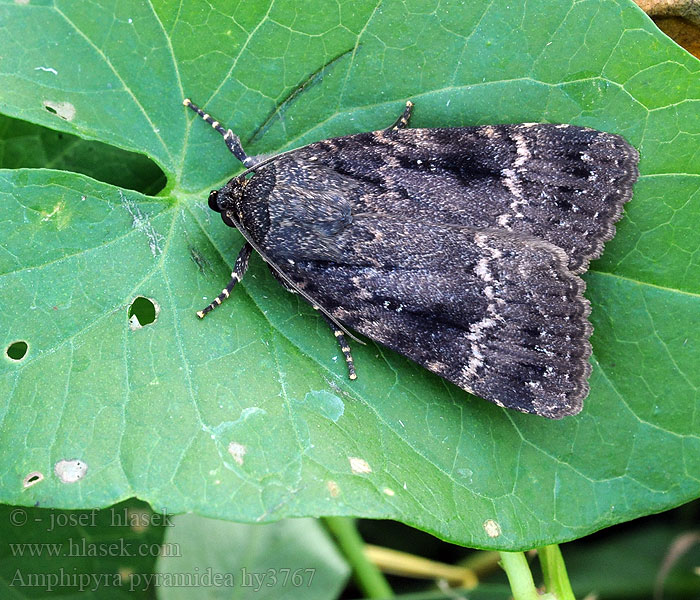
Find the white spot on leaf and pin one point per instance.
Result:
(359, 466)
(53, 212)
(65, 110)
(389, 491)
(333, 488)
(492, 528)
(70, 471)
(238, 451)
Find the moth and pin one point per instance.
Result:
(460, 248)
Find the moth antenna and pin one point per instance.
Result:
(403, 120)
(262, 163)
(233, 142)
(400, 123)
(344, 348)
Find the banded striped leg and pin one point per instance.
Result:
(403, 120)
(344, 348)
(233, 142)
(239, 270)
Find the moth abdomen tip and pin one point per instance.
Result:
(186, 102)
(200, 314)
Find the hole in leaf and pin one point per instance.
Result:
(142, 312)
(17, 350)
(64, 110)
(67, 152)
(32, 479)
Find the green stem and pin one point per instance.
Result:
(368, 577)
(556, 580)
(519, 576)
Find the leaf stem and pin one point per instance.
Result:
(556, 579)
(482, 562)
(519, 576)
(369, 578)
(409, 565)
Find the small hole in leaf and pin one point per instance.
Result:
(17, 350)
(65, 110)
(32, 479)
(142, 312)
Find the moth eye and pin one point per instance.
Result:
(213, 200)
(228, 220)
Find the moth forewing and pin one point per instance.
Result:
(459, 248)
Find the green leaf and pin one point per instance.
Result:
(23, 144)
(108, 553)
(639, 556)
(248, 415)
(291, 559)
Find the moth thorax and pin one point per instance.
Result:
(251, 204)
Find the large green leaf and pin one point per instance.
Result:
(287, 560)
(249, 415)
(660, 558)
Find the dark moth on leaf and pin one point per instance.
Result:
(460, 248)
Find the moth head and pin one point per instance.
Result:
(228, 200)
(213, 200)
(228, 197)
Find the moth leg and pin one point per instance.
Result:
(239, 270)
(344, 348)
(233, 142)
(402, 121)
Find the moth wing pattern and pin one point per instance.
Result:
(561, 183)
(457, 247)
(498, 314)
